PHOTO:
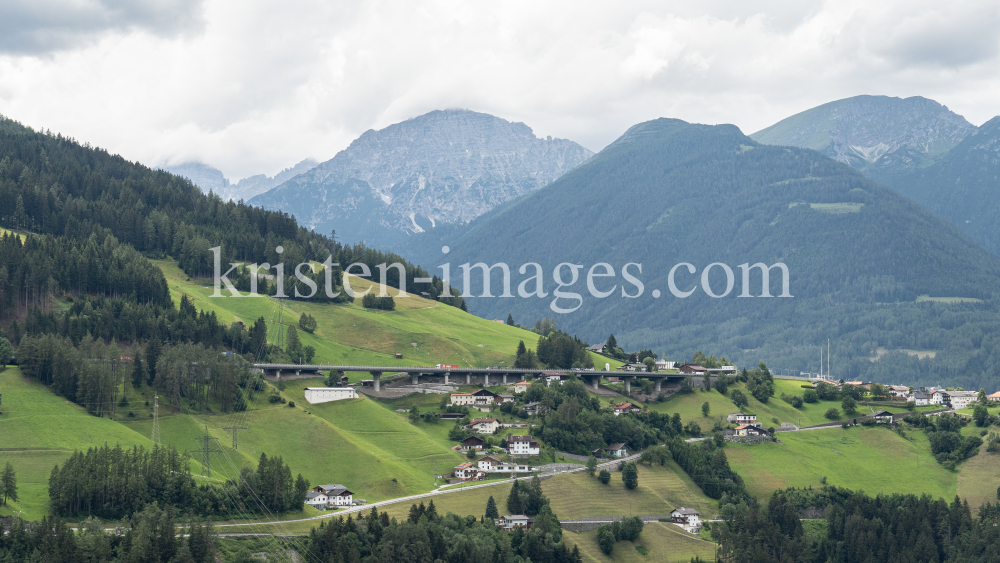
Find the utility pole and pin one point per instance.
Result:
(206, 450)
(234, 429)
(156, 419)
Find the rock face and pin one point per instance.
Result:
(210, 179)
(442, 168)
(875, 134)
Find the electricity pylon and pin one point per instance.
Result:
(234, 429)
(206, 449)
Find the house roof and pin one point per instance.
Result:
(520, 439)
(994, 395)
(615, 447)
(466, 465)
(882, 413)
(479, 420)
(623, 406)
(686, 511)
(517, 517)
(919, 395)
(313, 494)
(554, 373)
(483, 393)
(334, 490)
(473, 439)
(489, 458)
(522, 383)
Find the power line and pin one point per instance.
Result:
(206, 450)
(234, 429)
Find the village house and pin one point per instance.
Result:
(994, 396)
(532, 408)
(485, 425)
(505, 398)
(337, 495)
(472, 443)
(940, 397)
(898, 391)
(597, 348)
(511, 522)
(488, 463)
(625, 408)
(616, 450)
(521, 386)
(740, 418)
(554, 376)
(961, 399)
(480, 398)
(920, 399)
(687, 518)
(317, 500)
(663, 365)
(693, 369)
(522, 445)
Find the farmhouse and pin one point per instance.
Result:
(326, 394)
(511, 522)
(750, 430)
(994, 396)
(337, 495)
(488, 463)
(532, 408)
(472, 443)
(940, 397)
(554, 376)
(521, 386)
(522, 445)
(920, 399)
(474, 399)
(687, 518)
(617, 450)
(898, 391)
(625, 408)
(663, 365)
(883, 417)
(693, 369)
(505, 398)
(740, 418)
(598, 348)
(485, 425)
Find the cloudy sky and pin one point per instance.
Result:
(252, 87)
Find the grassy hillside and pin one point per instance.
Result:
(874, 460)
(39, 430)
(661, 542)
(351, 334)
(978, 478)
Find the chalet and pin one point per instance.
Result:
(994, 396)
(616, 450)
(883, 417)
(740, 418)
(337, 495)
(317, 500)
(920, 399)
(693, 369)
(687, 518)
(467, 471)
(505, 398)
(488, 463)
(522, 445)
(632, 367)
(625, 408)
(472, 443)
(939, 397)
(521, 386)
(597, 348)
(485, 425)
(511, 522)
(750, 430)
(474, 399)
(554, 376)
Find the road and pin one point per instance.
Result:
(431, 494)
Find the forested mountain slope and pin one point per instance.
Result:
(859, 257)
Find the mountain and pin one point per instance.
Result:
(442, 168)
(861, 131)
(963, 186)
(211, 179)
(868, 268)
(207, 178)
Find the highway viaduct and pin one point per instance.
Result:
(593, 377)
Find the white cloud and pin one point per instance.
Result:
(249, 87)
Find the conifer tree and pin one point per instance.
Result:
(491, 509)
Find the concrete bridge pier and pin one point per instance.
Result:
(468, 379)
(659, 385)
(446, 374)
(505, 379)
(486, 380)
(628, 385)
(376, 377)
(414, 378)
(595, 380)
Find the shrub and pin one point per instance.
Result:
(604, 476)
(606, 539)
(832, 413)
(810, 396)
(372, 301)
(630, 476)
(291, 404)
